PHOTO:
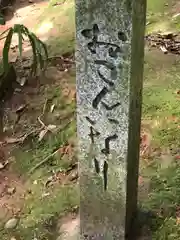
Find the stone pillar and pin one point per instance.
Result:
(109, 68)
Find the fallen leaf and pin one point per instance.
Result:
(51, 127)
(35, 182)
(11, 223)
(45, 195)
(21, 108)
(3, 165)
(11, 190)
(13, 140)
(52, 108)
(42, 134)
(163, 49)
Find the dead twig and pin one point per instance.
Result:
(41, 122)
(65, 60)
(45, 160)
(20, 139)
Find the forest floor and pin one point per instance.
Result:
(38, 163)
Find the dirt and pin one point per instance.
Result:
(69, 227)
(167, 43)
(28, 14)
(12, 194)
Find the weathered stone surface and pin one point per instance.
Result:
(109, 63)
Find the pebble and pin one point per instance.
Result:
(11, 223)
(11, 190)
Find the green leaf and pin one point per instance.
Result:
(1, 35)
(6, 48)
(42, 51)
(2, 20)
(33, 45)
(20, 31)
(38, 49)
(45, 50)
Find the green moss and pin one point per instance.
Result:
(159, 16)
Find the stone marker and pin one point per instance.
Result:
(109, 63)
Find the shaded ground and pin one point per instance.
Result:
(40, 193)
(38, 184)
(159, 165)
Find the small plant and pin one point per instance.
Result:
(2, 20)
(8, 76)
(40, 53)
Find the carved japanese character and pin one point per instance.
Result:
(122, 36)
(93, 133)
(105, 173)
(110, 107)
(90, 120)
(99, 97)
(110, 83)
(113, 120)
(108, 65)
(106, 150)
(94, 43)
(96, 165)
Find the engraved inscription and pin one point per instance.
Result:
(96, 165)
(122, 36)
(110, 83)
(94, 43)
(108, 65)
(105, 178)
(114, 51)
(93, 133)
(106, 150)
(107, 107)
(99, 97)
(113, 120)
(90, 120)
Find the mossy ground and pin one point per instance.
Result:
(161, 115)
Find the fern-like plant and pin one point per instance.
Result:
(8, 76)
(39, 49)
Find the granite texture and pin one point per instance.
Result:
(106, 92)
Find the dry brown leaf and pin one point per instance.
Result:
(13, 140)
(42, 134)
(51, 127)
(3, 165)
(21, 108)
(52, 108)
(163, 49)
